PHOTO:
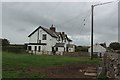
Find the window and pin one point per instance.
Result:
(35, 48)
(29, 48)
(56, 48)
(52, 49)
(44, 37)
(39, 48)
(39, 41)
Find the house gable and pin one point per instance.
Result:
(97, 48)
(46, 30)
(61, 36)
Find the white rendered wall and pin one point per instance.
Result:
(50, 41)
(33, 38)
(60, 48)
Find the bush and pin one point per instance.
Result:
(4, 42)
(82, 48)
(115, 45)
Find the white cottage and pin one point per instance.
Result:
(47, 41)
(97, 49)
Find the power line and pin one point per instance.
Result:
(83, 24)
(67, 21)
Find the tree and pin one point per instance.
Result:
(115, 45)
(81, 48)
(5, 42)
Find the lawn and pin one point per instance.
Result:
(14, 64)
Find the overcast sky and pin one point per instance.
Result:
(19, 19)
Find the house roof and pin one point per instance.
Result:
(57, 33)
(34, 31)
(97, 48)
(59, 45)
(68, 38)
(52, 33)
(45, 29)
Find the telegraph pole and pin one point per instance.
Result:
(92, 24)
(92, 9)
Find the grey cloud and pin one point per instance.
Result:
(22, 18)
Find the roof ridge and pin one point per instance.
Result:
(50, 32)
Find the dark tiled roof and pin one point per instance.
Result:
(58, 33)
(59, 44)
(68, 38)
(63, 36)
(52, 33)
(45, 29)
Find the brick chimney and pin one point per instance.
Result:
(63, 33)
(52, 28)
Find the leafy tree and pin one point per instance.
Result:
(77, 48)
(81, 48)
(115, 45)
(4, 42)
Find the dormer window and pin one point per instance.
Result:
(44, 37)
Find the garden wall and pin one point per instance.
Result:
(112, 65)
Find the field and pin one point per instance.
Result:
(16, 65)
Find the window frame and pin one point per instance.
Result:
(29, 48)
(44, 37)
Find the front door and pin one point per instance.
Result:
(53, 50)
(39, 48)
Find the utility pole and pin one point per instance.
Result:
(92, 9)
(92, 24)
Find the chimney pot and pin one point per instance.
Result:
(52, 28)
(63, 32)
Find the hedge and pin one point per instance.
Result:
(16, 49)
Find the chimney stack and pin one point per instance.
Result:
(52, 28)
(63, 33)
